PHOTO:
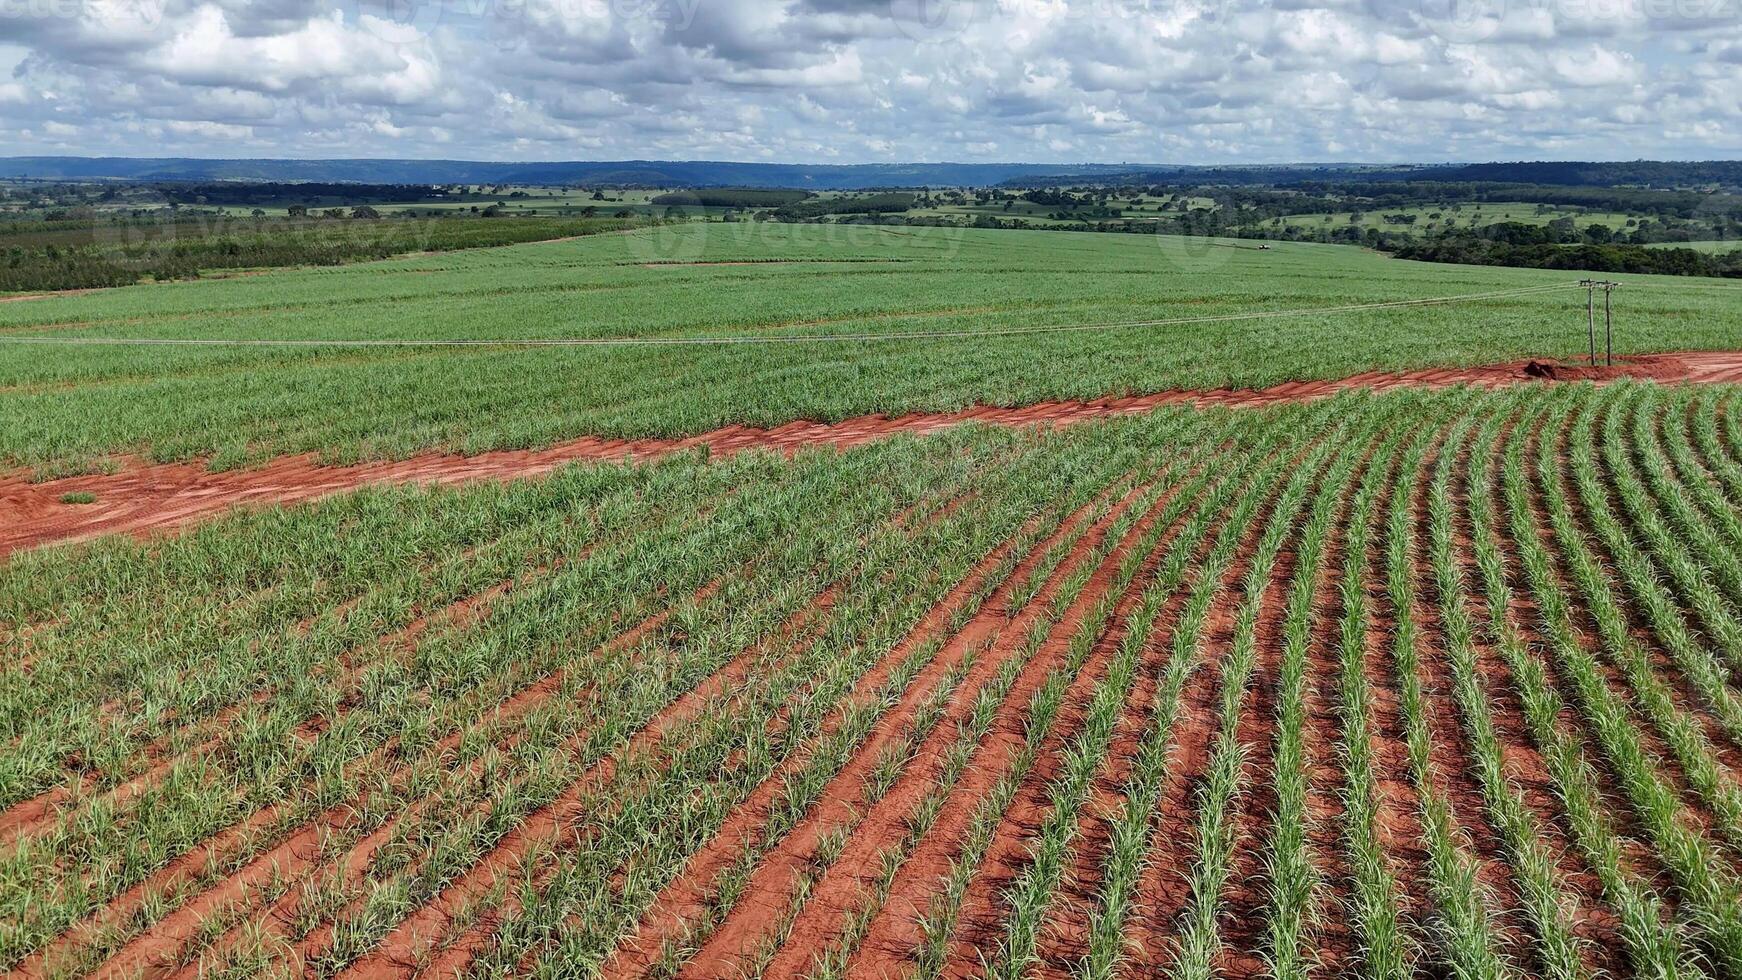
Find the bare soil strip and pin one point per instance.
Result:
(439, 928)
(1398, 827)
(1332, 935)
(847, 881)
(1525, 614)
(1453, 756)
(302, 851)
(143, 497)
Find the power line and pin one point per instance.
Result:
(1679, 286)
(731, 340)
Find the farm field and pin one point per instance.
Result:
(1146, 206)
(1412, 683)
(542, 200)
(232, 406)
(1710, 248)
(1485, 213)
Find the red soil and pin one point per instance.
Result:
(435, 930)
(848, 884)
(1162, 889)
(1636, 858)
(31, 815)
(1453, 758)
(1255, 810)
(997, 634)
(144, 497)
(1331, 936)
(302, 851)
(1397, 824)
(895, 933)
(684, 902)
(1527, 772)
(1686, 704)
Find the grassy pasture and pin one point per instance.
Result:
(1465, 215)
(1710, 248)
(66, 408)
(544, 200)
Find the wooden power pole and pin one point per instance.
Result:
(1608, 287)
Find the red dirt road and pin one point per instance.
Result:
(143, 497)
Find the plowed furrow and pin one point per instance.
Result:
(1249, 886)
(299, 851)
(1030, 906)
(719, 693)
(1676, 655)
(588, 939)
(1295, 883)
(1526, 617)
(345, 872)
(547, 829)
(917, 916)
(686, 901)
(985, 909)
(1670, 724)
(851, 884)
(1472, 890)
(1601, 822)
(1200, 629)
(34, 815)
(560, 825)
(1397, 826)
(1330, 937)
(470, 607)
(748, 925)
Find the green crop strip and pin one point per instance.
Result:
(1544, 892)
(1200, 935)
(939, 923)
(1713, 901)
(916, 697)
(229, 407)
(1464, 910)
(1654, 948)
(1385, 948)
(1027, 899)
(802, 793)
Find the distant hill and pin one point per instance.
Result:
(707, 173)
(1636, 173)
(648, 173)
(1644, 173)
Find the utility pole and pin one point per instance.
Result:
(1591, 287)
(1609, 321)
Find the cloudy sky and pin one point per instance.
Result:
(850, 81)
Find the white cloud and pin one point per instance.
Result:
(207, 130)
(845, 80)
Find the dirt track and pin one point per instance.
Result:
(146, 497)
